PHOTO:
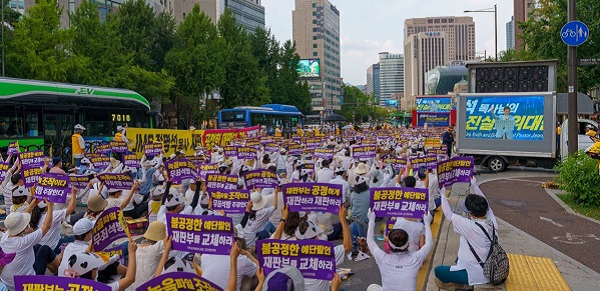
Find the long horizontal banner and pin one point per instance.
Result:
(174, 140)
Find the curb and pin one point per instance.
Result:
(567, 207)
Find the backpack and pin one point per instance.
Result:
(496, 266)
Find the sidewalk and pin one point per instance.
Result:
(512, 239)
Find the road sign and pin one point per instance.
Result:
(574, 33)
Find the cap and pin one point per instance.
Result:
(120, 128)
(79, 126)
(85, 161)
(82, 226)
(173, 201)
(288, 278)
(80, 264)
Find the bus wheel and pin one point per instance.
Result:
(496, 164)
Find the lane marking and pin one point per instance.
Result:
(523, 180)
(551, 221)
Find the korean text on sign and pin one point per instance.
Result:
(32, 159)
(109, 227)
(403, 202)
(116, 181)
(314, 258)
(79, 181)
(313, 196)
(54, 283)
(364, 152)
(456, 169)
(230, 201)
(221, 182)
(53, 187)
(153, 149)
(181, 169)
(118, 146)
(205, 169)
(180, 281)
(131, 160)
(201, 233)
(31, 176)
(260, 178)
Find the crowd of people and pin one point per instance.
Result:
(55, 239)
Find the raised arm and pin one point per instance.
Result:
(281, 225)
(446, 205)
(164, 258)
(426, 249)
(233, 255)
(131, 267)
(48, 221)
(347, 238)
(371, 233)
(133, 190)
(72, 202)
(196, 193)
(490, 213)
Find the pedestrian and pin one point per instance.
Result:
(78, 144)
(448, 140)
(120, 134)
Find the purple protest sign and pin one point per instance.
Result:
(31, 282)
(181, 169)
(429, 162)
(32, 159)
(109, 227)
(131, 160)
(403, 202)
(4, 166)
(313, 143)
(102, 149)
(261, 178)
(247, 153)
(118, 146)
(31, 176)
(398, 163)
(180, 281)
(208, 234)
(271, 147)
(314, 258)
(117, 251)
(294, 149)
(13, 148)
(456, 169)
(230, 151)
(197, 160)
(323, 154)
(313, 197)
(116, 181)
(53, 187)
(205, 169)
(79, 181)
(153, 149)
(230, 201)
(100, 162)
(364, 152)
(216, 182)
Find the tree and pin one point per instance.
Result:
(163, 39)
(287, 88)
(11, 16)
(135, 23)
(196, 61)
(359, 106)
(40, 49)
(245, 83)
(541, 37)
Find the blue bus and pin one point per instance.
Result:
(270, 115)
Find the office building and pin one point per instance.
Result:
(522, 12)
(391, 78)
(460, 33)
(373, 81)
(510, 34)
(422, 52)
(316, 32)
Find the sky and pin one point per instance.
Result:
(368, 27)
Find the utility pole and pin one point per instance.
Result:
(2, 38)
(572, 83)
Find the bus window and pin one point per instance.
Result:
(231, 116)
(31, 123)
(8, 115)
(97, 122)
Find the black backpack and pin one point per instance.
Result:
(496, 266)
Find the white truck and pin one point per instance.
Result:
(513, 129)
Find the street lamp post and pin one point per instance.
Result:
(495, 11)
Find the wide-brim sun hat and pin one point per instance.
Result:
(97, 203)
(312, 231)
(83, 263)
(258, 201)
(156, 231)
(17, 222)
(361, 169)
(288, 278)
(114, 162)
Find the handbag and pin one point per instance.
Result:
(496, 266)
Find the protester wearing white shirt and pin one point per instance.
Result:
(325, 174)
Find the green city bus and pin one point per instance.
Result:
(41, 115)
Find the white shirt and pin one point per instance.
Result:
(76, 247)
(253, 226)
(215, 268)
(466, 260)
(162, 213)
(324, 175)
(414, 230)
(53, 235)
(24, 259)
(146, 260)
(339, 180)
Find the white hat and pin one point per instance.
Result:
(258, 201)
(361, 179)
(282, 150)
(246, 168)
(129, 169)
(304, 172)
(198, 148)
(312, 231)
(179, 265)
(147, 163)
(41, 205)
(157, 191)
(16, 222)
(83, 263)
(82, 226)
(239, 231)
(85, 160)
(79, 126)
(20, 191)
(120, 128)
(174, 201)
(172, 156)
(361, 169)
(288, 278)
(339, 169)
